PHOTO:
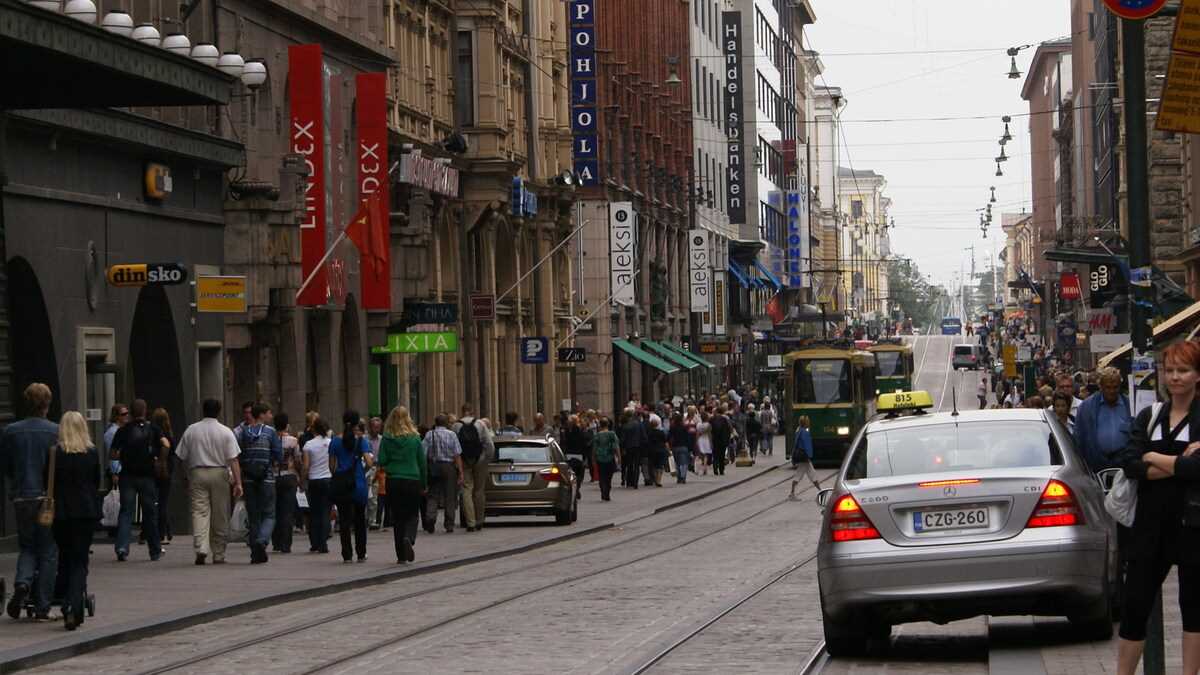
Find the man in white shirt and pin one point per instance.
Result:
(209, 452)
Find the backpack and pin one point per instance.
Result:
(468, 438)
(255, 459)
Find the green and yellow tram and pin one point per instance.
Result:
(894, 360)
(833, 384)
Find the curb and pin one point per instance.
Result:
(51, 651)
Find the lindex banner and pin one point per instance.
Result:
(419, 343)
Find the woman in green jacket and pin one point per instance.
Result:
(403, 460)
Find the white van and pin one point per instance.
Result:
(967, 356)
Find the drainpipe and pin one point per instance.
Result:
(532, 115)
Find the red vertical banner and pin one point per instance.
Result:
(371, 115)
(307, 139)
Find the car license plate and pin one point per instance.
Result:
(950, 519)
(514, 477)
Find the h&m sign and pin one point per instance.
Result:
(583, 90)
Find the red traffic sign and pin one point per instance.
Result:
(483, 307)
(1135, 9)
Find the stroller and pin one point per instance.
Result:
(89, 599)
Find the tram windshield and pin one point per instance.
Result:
(823, 381)
(891, 364)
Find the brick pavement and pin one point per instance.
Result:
(138, 591)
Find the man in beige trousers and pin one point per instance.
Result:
(209, 451)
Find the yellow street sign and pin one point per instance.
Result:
(221, 294)
(1010, 361)
(1179, 109)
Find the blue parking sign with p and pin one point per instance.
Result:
(535, 350)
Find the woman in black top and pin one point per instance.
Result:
(682, 442)
(77, 509)
(754, 431)
(656, 441)
(163, 474)
(1166, 528)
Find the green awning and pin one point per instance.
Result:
(669, 355)
(700, 360)
(638, 354)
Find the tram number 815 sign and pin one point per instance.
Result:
(1135, 9)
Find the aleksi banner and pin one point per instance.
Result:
(622, 243)
(306, 137)
(699, 271)
(371, 112)
(735, 176)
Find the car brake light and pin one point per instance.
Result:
(1057, 507)
(849, 523)
(551, 475)
(948, 483)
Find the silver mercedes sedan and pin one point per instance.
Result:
(946, 516)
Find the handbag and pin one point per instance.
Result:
(1121, 500)
(45, 516)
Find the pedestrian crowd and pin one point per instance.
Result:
(261, 482)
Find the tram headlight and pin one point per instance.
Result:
(843, 431)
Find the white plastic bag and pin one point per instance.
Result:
(1121, 500)
(239, 522)
(301, 499)
(111, 509)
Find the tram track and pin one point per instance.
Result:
(292, 630)
(722, 614)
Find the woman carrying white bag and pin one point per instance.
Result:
(1162, 463)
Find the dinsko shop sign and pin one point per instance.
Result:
(147, 274)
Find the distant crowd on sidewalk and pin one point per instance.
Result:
(260, 482)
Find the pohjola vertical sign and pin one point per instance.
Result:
(583, 91)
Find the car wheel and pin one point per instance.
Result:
(1096, 622)
(842, 638)
(562, 516)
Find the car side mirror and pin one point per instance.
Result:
(1106, 478)
(823, 498)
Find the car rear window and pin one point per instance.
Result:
(939, 448)
(962, 350)
(523, 453)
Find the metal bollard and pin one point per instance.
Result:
(1154, 658)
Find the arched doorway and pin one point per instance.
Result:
(154, 356)
(32, 339)
(353, 365)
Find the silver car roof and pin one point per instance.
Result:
(501, 439)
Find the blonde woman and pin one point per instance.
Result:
(402, 458)
(77, 509)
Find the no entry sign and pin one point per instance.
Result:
(1135, 9)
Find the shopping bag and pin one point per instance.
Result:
(111, 509)
(1121, 500)
(301, 499)
(239, 522)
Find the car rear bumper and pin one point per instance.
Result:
(541, 506)
(1046, 579)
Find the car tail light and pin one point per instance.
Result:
(551, 475)
(1057, 507)
(849, 523)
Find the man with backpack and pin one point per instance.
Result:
(478, 450)
(261, 453)
(139, 448)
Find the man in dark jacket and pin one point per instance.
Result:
(577, 445)
(143, 456)
(24, 449)
(633, 443)
(722, 433)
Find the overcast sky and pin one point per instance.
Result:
(938, 172)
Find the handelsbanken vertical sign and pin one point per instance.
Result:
(735, 176)
(583, 91)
